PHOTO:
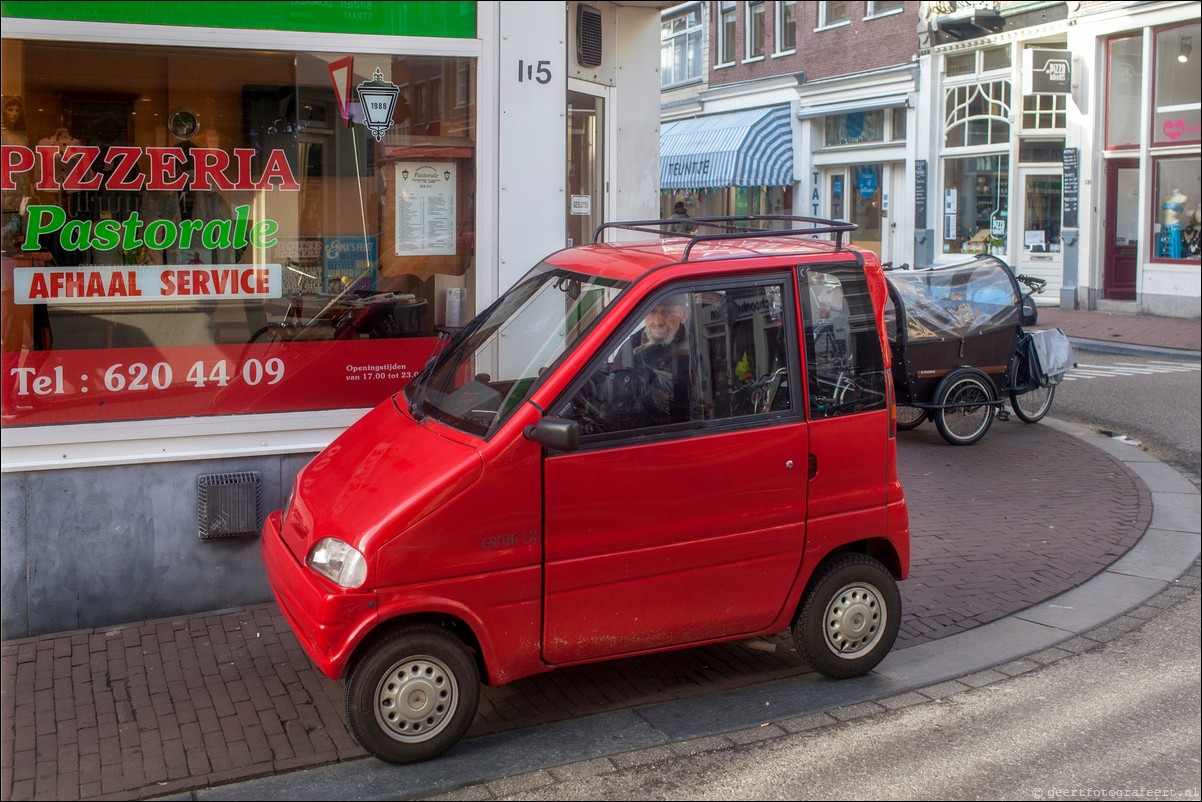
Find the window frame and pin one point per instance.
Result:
(683, 39)
(788, 283)
(753, 19)
(724, 39)
(1155, 139)
(778, 26)
(824, 23)
(871, 12)
(1110, 44)
(811, 362)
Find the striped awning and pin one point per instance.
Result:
(739, 149)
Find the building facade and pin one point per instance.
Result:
(1061, 136)
(227, 236)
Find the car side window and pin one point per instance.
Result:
(844, 364)
(688, 358)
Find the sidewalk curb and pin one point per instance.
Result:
(1131, 349)
(1168, 549)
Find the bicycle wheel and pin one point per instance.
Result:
(910, 417)
(1032, 405)
(966, 409)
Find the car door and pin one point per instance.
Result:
(848, 409)
(682, 516)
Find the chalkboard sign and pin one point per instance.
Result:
(920, 194)
(1072, 182)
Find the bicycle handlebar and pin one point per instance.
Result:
(1036, 284)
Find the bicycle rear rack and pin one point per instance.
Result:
(735, 227)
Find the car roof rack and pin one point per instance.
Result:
(736, 227)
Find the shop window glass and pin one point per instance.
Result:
(975, 203)
(1041, 151)
(1177, 187)
(1177, 115)
(199, 231)
(691, 358)
(977, 114)
(995, 58)
(855, 127)
(960, 64)
(1124, 79)
(899, 123)
(843, 348)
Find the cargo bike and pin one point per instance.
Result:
(961, 349)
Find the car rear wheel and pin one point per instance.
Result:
(413, 695)
(849, 616)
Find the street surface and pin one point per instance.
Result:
(1153, 401)
(1120, 721)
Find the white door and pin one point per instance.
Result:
(588, 120)
(1037, 232)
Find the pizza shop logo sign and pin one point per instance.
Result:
(167, 173)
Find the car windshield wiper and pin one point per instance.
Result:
(419, 382)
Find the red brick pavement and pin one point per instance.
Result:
(159, 707)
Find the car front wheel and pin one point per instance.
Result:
(413, 695)
(849, 616)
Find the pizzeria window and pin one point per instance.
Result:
(198, 231)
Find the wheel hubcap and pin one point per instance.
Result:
(855, 621)
(416, 699)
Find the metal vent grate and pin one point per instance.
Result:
(229, 505)
(588, 36)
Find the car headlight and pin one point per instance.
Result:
(338, 562)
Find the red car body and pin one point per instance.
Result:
(535, 557)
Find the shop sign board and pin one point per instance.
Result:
(1047, 72)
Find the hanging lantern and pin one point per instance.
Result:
(378, 98)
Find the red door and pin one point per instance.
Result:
(679, 541)
(1121, 229)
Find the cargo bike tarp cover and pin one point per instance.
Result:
(957, 303)
(952, 317)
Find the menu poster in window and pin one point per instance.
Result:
(425, 208)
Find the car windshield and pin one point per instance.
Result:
(493, 364)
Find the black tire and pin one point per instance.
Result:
(413, 695)
(849, 616)
(910, 417)
(1031, 406)
(968, 414)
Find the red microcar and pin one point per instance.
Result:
(647, 444)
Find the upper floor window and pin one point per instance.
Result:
(984, 60)
(1045, 112)
(879, 8)
(726, 32)
(755, 30)
(977, 114)
(833, 12)
(680, 48)
(786, 26)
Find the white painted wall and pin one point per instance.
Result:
(531, 142)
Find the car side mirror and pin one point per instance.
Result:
(560, 434)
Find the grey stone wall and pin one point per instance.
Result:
(90, 547)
